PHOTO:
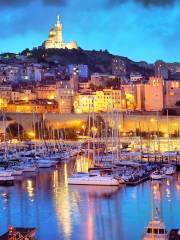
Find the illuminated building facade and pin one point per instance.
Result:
(100, 101)
(118, 67)
(46, 91)
(130, 92)
(100, 80)
(5, 96)
(64, 98)
(172, 94)
(154, 94)
(23, 95)
(55, 39)
(39, 106)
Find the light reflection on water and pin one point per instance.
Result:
(67, 212)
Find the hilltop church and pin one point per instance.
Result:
(55, 38)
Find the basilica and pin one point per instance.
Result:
(55, 38)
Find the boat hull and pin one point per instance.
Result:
(7, 181)
(104, 181)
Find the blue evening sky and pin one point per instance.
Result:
(139, 29)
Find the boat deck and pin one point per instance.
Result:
(140, 180)
(22, 233)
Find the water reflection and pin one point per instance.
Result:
(83, 164)
(65, 212)
(30, 189)
(62, 201)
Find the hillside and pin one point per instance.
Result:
(97, 61)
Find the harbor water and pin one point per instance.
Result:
(61, 212)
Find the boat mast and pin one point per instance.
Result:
(34, 128)
(5, 142)
(158, 135)
(168, 134)
(152, 211)
(93, 133)
(112, 131)
(89, 131)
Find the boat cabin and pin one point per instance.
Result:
(99, 171)
(157, 229)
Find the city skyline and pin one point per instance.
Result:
(144, 30)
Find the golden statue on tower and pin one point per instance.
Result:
(55, 38)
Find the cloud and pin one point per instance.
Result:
(54, 2)
(14, 3)
(157, 3)
(22, 3)
(145, 3)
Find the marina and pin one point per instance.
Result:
(95, 212)
(89, 127)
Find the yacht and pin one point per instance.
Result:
(29, 168)
(4, 173)
(156, 230)
(157, 175)
(6, 178)
(95, 176)
(15, 172)
(169, 169)
(45, 163)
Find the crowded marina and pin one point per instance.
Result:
(94, 162)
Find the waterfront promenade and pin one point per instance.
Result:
(128, 122)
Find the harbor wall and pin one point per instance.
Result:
(126, 122)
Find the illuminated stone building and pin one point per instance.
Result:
(130, 92)
(106, 100)
(154, 94)
(5, 96)
(145, 96)
(172, 94)
(22, 95)
(100, 80)
(46, 91)
(55, 39)
(118, 67)
(39, 106)
(64, 98)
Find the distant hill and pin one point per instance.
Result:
(97, 61)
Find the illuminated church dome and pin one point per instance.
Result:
(52, 32)
(55, 38)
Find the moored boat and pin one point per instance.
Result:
(95, 176)
(169, 170)
(7, 180)
(156, 230)
(157, 175)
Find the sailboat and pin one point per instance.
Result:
(155, 229)
(95, 176)
(102, 176)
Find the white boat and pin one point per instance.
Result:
(95, 176)
(29, 168)
(4, 173)
(156, 230)
(16, 172)
(45, 163)
(6, 180)
(169, 170)
(157, 175)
